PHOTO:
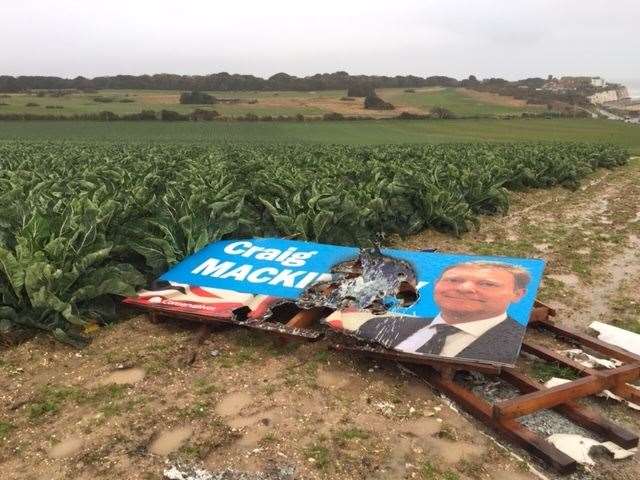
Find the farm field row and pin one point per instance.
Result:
(82, 222)
(350, 133)
(420, 100)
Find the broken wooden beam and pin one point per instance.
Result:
(589, 385)
(626, 391)
(511, 429)
(553, 356)
(588, 341)
(585, 417)
(306, 317)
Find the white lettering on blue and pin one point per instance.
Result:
(212, 267)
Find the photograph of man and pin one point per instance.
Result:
(473, 323)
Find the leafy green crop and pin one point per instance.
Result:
(81, 223)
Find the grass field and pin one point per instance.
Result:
(354, 133)
(460, 101)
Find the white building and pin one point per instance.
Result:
(597, 82)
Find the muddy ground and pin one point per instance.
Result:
(136, 398)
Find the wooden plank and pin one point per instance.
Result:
(534, 401)
(589, 341)
(539, 400)
(623, 390)
(442, 363)
(585, 417)
(305, 317)
(511, 429)
(627, 392)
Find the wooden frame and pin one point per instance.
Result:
(502, 416)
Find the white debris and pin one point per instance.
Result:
(555, 381)
(177, 473)
(579, 448)
(617, 336)
(385, 408)
(590, 361)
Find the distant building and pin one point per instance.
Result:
(597, 82)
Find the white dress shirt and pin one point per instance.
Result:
(454, 344)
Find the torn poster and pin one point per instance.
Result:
(469, 307)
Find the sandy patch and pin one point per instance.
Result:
(127, 376)
(169, 441)
(232, 404)
(66, 448)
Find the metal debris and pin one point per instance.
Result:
(372, 281)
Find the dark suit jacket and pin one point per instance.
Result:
(500, 344)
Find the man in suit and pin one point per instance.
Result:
(472, 324)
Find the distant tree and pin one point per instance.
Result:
(148, 115)
(333, 116)
(108, 116)
(373, 102)
(204, 115)
(360, 90)
(171, 116)
(196, 98)
(441, 112)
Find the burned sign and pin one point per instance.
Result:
(467, 307)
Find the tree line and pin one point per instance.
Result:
(221, 82)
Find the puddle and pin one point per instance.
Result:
(423, 427)
(264, 418)
(126, 376)
(233, 403)
(348, 383)
(453, 452)
(66, 448)
(169, 441)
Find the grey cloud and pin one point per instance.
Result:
(488, 38)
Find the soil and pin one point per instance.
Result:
(126, 407)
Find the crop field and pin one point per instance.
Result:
(348, 133)
(311, 104)
(82, 222)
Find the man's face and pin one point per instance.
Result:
(468, 293)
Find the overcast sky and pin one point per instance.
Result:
(510, 39)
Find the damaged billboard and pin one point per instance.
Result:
(469, 307)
